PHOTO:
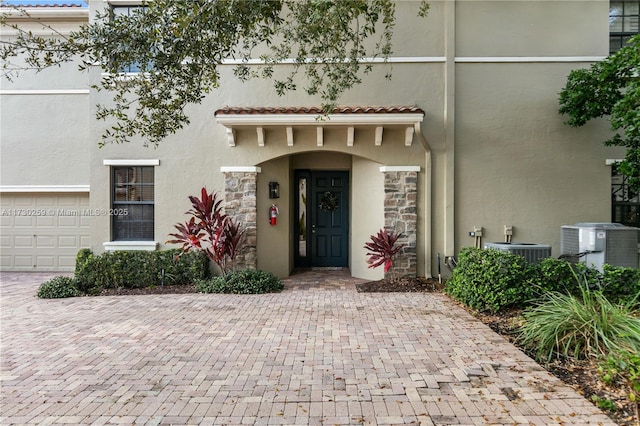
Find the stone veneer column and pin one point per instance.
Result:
(240, 185)
(401, 213)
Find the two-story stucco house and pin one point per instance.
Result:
(466, 135)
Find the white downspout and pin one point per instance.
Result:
(427, 202)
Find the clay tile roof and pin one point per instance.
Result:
(318, 110)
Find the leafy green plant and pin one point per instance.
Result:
(91, 272)
(624, 366)
(579, 326)
(382, 249)
(247, 281)
(181, 268)
(490, 280)
(621, 284)
(603, 403)
(58, 287)
(210, 231)
(562, 276)
(135, 269)
(609, 89)
(326, 39)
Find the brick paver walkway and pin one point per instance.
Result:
(317, 353)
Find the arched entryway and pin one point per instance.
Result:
(361, 171)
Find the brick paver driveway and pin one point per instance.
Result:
(317, 353)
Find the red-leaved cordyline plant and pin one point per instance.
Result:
(210, 231)
(382, 248)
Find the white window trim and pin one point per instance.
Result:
(44, 188)
(399, 169)
(240, 169)
(611, 161)
(130, 245)
(148, 162)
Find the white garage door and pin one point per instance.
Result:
(42, 232)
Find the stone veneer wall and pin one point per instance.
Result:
(401, 215)
(241, 205)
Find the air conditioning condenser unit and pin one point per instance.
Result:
(595, 244)
(530, 251)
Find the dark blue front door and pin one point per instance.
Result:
(323, 230)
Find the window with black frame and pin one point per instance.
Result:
(133, 203)
(624, 18)
(625, 200)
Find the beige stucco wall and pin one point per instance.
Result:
(275, 251)
(532, 28)
(516, 163)
(44, 116)
(50, 146)
(367, 214)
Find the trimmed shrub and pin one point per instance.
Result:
(59, 287)
(247, 281)
(490, 280)
(621, 284)
(136, 269)
(618, 284)
(182, 268)
(562, 276)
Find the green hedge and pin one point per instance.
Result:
(247, 281)
(621, 285)
(492, 280)
(562, 276)
(59, 287)
(134, 269)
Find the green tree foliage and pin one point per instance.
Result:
(182, 44)
(610, 89)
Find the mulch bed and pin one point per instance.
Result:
(159, 289)
(404, 284)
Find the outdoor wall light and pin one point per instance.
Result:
(274, 190)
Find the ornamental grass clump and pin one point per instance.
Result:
(586, 325)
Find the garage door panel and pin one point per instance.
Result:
(45, 222)
(67, 262)
(45, 241)
(23, 241)
(68, 221)
(68, 241)
(23, 262)
(24, 222)
(47, 261)
(46, 201)
(46, 235)
(24, 202)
